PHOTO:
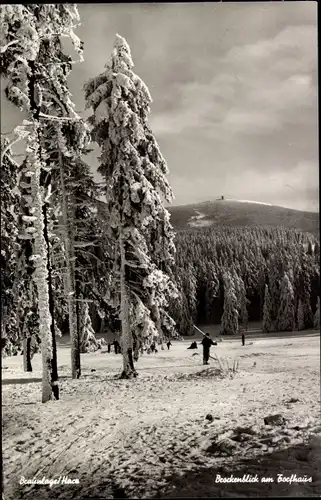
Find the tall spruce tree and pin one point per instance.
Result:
(9, 248)
(211, 290)
(19, 316)
(190, 290)
(65, 138)
(275, 273)
(21, 40)
(179, 310)
(92, 252)
(301, 316)
(304, 293)
(28, 32)
(267, 323)
(286, 313)
(230, 317)
(242, 301)
(135, 171)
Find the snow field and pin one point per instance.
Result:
(134, 435)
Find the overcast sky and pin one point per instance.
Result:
(234, 90)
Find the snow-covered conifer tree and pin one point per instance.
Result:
(242, 301)
(88, 341)
(304, 293)
(180, 312)
(9, 247)
(267, 324)
(286, 313)
(91, 245)
(275, 273)
(211, 289)
(184, 306)
(300, 316)
(65, 138)
(28, 31)
(230, 317)
(19, 318)
(135, 172)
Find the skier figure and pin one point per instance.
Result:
(206, 342)
(243, 338)
(168, 344)
(152, 347)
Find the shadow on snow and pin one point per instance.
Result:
(292, 460)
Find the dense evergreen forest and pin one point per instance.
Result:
(254, 257)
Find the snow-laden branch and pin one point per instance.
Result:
(57, 118)
(57, 101)
(83, 244)
(134, 266)
(5, 47)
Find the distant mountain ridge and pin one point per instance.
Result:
(238, 213)
(235, 213)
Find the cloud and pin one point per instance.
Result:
(290, 42)
(255, 88)
(251, 121)
(233, 88)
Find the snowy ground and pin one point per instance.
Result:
(249, 201)
(197, 220)
(149, 437)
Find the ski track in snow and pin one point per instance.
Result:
(136, 434)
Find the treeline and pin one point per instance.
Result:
(235, 275)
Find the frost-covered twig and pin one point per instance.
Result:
(8, 147)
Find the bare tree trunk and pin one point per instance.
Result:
(40, 261)
(27, 354)
(82, 327)
(78, 312)
(54, 372)
(70, 282)
(25, 252)
(126, 336)
(102, 326)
